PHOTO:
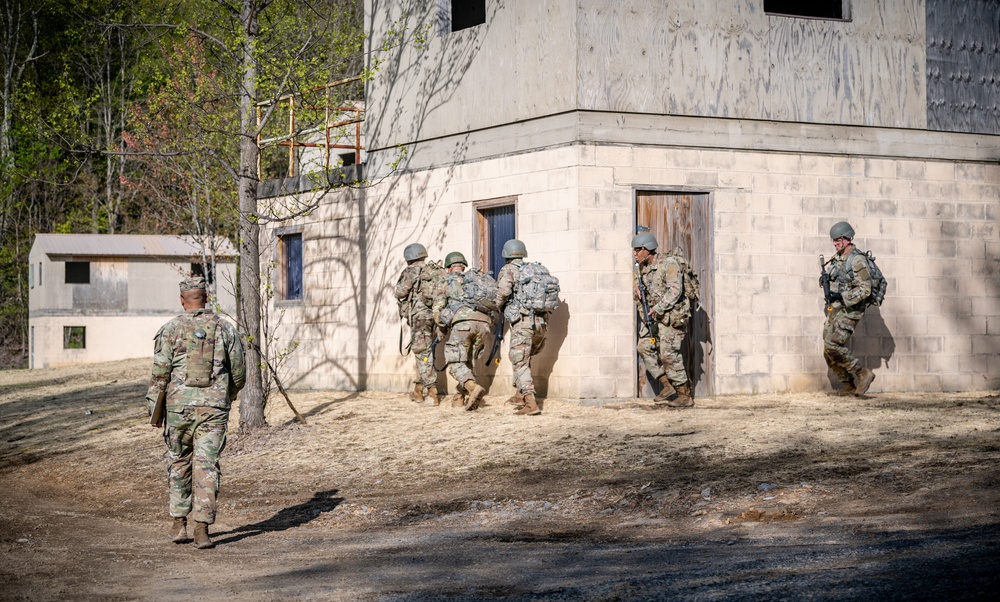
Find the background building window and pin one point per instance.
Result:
(290, 266)
(74, 337)
(198, 270)
(467, 13)
(77, 272)
(495, 226)
(816, 9)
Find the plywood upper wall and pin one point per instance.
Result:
(719, 58)
(730, 59)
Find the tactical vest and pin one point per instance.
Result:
(200, 333)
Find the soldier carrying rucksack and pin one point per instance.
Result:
(850, 284)
(526, 294)
(413, 294)
(466, 310)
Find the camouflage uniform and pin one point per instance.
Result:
(665, 295)
(527, 329)
(849, 276)
(421, 322)
(469, 330)
(197, 416)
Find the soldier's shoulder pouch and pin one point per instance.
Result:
(201, 335)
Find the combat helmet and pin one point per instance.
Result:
(514, 248)
(644, 240)
(841, 230)
(414, 251)
(453, 258)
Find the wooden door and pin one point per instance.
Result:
(684, 219)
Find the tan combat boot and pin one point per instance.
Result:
(476, 394)
(417, 395)
(178, 530)
(530, 407)
(201, 539)
(432, 396)
(667, 392)
(846, 390)
(457, 400)
(683, 399)
(517, 399)
(862, 381)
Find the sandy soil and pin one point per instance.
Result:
(893, 496)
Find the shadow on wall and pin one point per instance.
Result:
(697, 341)
(541, 364)
(872, 343)
(360, 236)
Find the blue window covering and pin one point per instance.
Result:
(500, 228)
(293, 265)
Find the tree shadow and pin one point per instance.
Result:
(286, 518)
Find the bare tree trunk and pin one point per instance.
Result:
(252, 398)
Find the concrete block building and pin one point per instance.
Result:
(98, 298)
(739, 130)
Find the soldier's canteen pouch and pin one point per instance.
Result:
(201, 351)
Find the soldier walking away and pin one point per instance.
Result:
(464, 311)
(658, 289)
(415, 310)
(526, 294)
(850, 282)
(198, 368)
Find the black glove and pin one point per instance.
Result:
(836, 297)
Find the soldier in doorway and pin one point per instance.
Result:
(469, 329)
(198, 366)
(658, 290)
(414, 309)
(527, 326)
(851, 287)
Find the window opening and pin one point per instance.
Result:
(495, 226)
(290, 266)
(197, 269)
(815, 9)
(39, 273)
(74, 337)
(467, 13)
(77, 272)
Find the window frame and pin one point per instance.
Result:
(77, 272)
(845, 11)
(68, 332)
(282, 267)
(481, 235)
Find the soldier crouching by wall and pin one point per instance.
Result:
(198, 368)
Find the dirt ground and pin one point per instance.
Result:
(808, 496)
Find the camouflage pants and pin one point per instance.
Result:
(837, 333)
(195, 438)
(421, 337)
(465, 342)
(527, 337)
(664, 357)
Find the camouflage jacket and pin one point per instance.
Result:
(664, 288)
(849, 276)
(407, 292)
(507, 279)
(170, 363)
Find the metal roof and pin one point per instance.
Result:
(127, 245)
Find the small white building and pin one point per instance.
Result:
(101, 297)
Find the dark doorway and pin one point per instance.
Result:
(684, 219)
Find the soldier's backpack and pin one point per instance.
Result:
(479, 291)
(537, 290)
(692, 286)
(433, 283)
(879, 284)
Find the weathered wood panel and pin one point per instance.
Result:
(867, 71)
(963, 66)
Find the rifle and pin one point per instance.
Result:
(159, 409)
(497, 338)
(650, 323)
(824, 281)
